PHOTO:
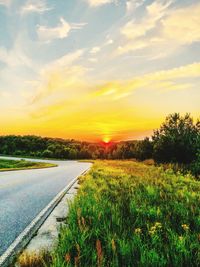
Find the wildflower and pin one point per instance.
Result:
(138, 230)
(153, 229)
(158, 225)
(67, 258)
(185, 227)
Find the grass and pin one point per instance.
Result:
(131, 214)
(10, 165)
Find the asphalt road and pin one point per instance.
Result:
(23, 194)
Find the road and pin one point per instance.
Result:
(23, 194)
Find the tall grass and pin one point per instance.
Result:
(131, 214)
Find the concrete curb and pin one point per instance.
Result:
(23, 239)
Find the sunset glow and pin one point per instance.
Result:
(97, 70)
(106, 140)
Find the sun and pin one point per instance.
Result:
(106, 140)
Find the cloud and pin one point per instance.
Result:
(162, 81)
(129, 46)
(59, 76)
(96, 3)
(64, 61)
(162, 25)
(68, 99)
(187, 71)
(93, 59)
(59, 32)
(14, 57)
(109, 42)
(131, 5)
(95, 50)
(155, 11)
(182, 25)
(136, 32)
(35, 6)
(4, 94)
(5, 2)
(65, 79)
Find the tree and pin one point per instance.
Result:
(144, 149)
(47, 153)
(176, 140)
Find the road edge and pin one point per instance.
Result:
(24, 238)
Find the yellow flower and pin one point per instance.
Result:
(138, 230)
(158, 225)
(185, 227)
(154, 228)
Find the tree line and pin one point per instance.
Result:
(57, 148)
(177, 141)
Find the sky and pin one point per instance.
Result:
(97, 69)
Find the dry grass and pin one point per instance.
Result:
(34, 259)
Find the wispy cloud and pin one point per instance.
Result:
(95, 49)
(96, 3)
(132, 5)
(74, 76)
(14, 57)
(59, 76)
(74, 100)
(182, 25)
(155, 12)
(61, 31)
(63, 61)
(140, 34)
(109, 42)
(5, 2)
(162, 25)
(135, 32)
(35, 6)
(4, 94)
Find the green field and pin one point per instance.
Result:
(9, 165)
(130, 214)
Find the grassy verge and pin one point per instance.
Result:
(11, 165)
(131, 214)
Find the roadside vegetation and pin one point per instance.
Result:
(130, 214)
(9, 165)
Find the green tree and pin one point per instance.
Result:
(177, 140)
(144, 149)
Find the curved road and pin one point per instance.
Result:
(23, 194)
